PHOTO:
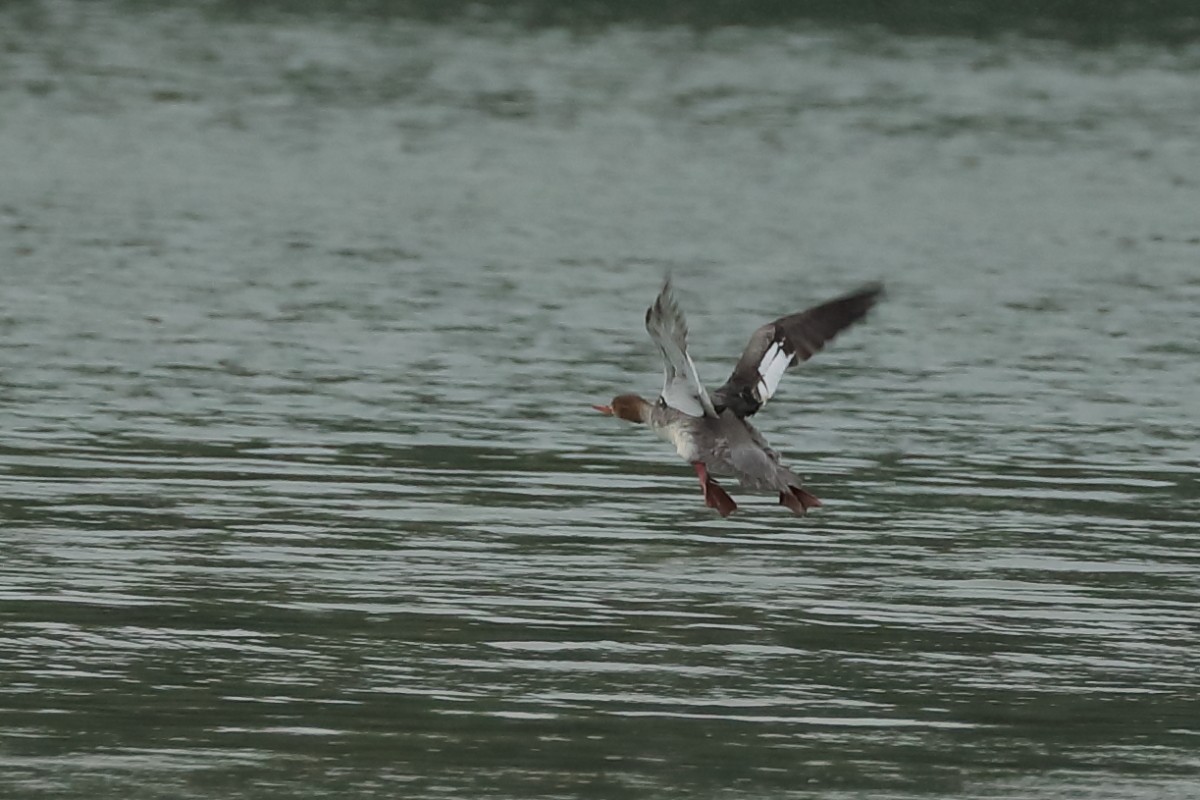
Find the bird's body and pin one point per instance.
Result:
(728, 446)
(712, 432)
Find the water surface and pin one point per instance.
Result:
(301, 491)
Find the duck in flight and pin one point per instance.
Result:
(712, 431)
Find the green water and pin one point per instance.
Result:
(301, 492)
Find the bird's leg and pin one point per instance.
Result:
(714, 496)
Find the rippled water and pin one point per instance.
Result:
(302, 494)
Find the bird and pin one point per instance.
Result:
(712, 431)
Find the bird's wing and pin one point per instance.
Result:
(682, 389)
(786, 342)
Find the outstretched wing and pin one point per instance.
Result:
(786, 342)
(682, 389)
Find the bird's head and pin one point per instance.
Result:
(629, 407)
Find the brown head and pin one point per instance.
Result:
(628, 407)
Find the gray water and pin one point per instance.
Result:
(302, 494)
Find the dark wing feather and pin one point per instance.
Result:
(786, 342)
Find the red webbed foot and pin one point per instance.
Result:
(714, 496)
(798, 500)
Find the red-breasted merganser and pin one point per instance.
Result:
(713, 432)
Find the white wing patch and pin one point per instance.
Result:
(770, 370)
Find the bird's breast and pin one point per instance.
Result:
(684, 439)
